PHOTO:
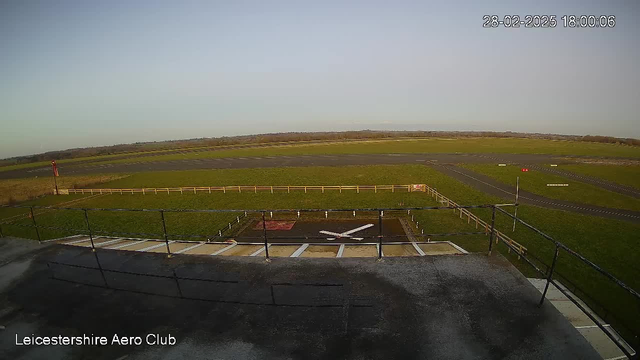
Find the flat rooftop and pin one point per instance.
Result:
(448, 306)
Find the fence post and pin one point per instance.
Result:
(264, 234)
(550, 276)
(33, 219)
(86, 218)
(1, 234)
(379, 234)
(164, 230)
(493, 223)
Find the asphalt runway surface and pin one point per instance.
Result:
(282, 161)
(430, 307)
(488, 185)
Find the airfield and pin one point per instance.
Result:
(319, 222)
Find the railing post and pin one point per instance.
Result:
(264, 234)
(379, 234)
(164, 230)
(33, 219)
(86, 218)
(493, 228)
(550, 276)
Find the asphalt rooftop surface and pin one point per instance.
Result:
(309, 231)
(454, 307)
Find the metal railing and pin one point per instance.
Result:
(500, 236)
(220, 236)
(487, 227)
(549, 276)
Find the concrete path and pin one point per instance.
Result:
(494, 187)
(579, 319)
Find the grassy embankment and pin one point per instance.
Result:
(536, 182)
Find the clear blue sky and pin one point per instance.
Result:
(89, 73)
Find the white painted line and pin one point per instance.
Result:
(300, 250)
(457, 247)
(189, 248)
(224, 249)
(78, 241)
(418, 249)
(155, 246)
(126, 245)
(589, 326)
(64, 238)
(340, 251)
(260, 251)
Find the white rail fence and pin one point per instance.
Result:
(249, 188)
(479, 223)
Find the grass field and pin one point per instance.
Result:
(6, 166)
(13, 190)
(434, 145)
(609, 243)
(536, 182)
(624, 175)
(318, 175)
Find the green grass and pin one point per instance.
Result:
(320, 175)
(622, 174)
(610, 244)
(431, 145)
(536, 182)
(435, 145)
(7, 167)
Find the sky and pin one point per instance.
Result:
(93, 73)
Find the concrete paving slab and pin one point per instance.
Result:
(438, 249)
(360, 251)
(241, 250)
(281, 250)
(141, 245)
(206, 249)
(399, 250)
(573, 313)
(601, 343)
(321, 251)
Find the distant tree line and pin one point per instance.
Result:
(298, 136)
